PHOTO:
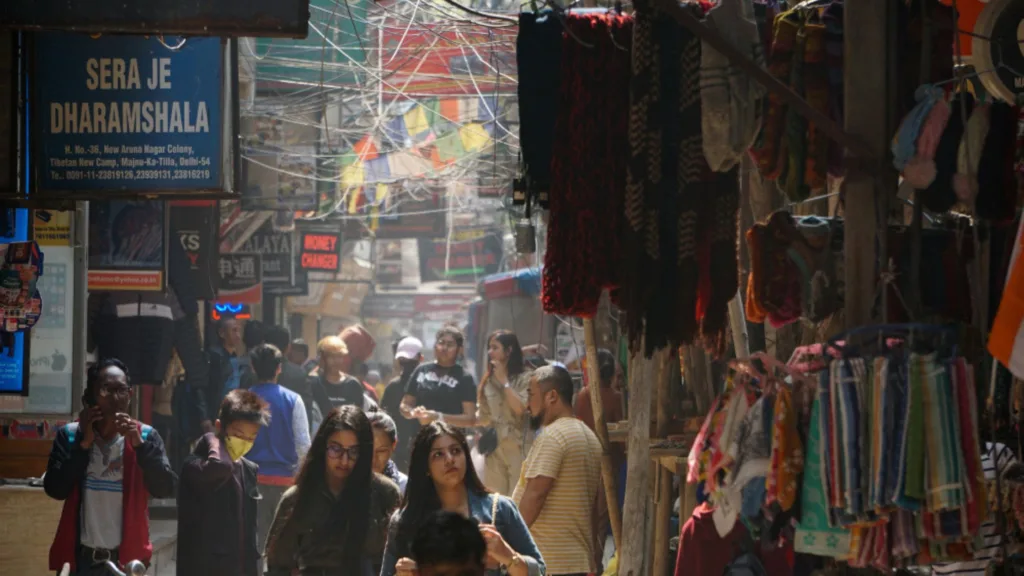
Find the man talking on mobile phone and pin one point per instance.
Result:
(105, 466)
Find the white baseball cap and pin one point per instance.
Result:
(409, 348)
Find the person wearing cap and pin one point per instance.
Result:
(360, 346)
(408, 356)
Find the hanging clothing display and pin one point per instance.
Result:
(797, 270)
(805, 54)
(956, 149)
(901, 457)
(680, 237)
(588, 172)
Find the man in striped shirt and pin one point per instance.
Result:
(557, 493)
(990, 550)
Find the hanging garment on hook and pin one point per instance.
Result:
(731, 101)
(997, 182)
(538, 61)
(965, 181)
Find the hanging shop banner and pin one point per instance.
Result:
(999, 48)
(128, 114)
(255, 18)
(277, 250)
(460, 261)
(52, 227)
(194, 225)
(321, 252)
(241, 278)
(126, 245)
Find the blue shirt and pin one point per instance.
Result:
(276, 449)
(236, 376)
(506, 519)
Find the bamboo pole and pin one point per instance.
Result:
(601, 428)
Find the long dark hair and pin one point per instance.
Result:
(510, 343)
(350, 517)
(421, 500)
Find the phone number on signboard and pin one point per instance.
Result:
(136, 174)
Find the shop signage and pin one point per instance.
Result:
(241, 278)
(435, 303)
(126, 245)
(321, 252)
(279, 277)
(467, 260)
(411, 219)
(194, 224)
(256, 18)
(128, 114)
(52, 227)
(386, 306)
(299, 288)
(1002, 21)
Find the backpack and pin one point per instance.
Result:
(746, 563)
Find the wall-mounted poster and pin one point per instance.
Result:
(126, 245)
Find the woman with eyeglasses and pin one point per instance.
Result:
(442, 477)
(335, 519)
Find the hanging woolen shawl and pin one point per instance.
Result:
(588, 168)
(680, 237)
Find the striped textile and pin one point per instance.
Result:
(989, 543)
(944, 456)
(910, 490)
(1006, 340)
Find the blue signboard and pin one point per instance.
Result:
(127, 113)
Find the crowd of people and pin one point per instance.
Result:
(302, 467)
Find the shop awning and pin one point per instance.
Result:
(522, 282)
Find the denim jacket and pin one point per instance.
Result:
(508, 522)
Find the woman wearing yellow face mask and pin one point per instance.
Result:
(217, 499)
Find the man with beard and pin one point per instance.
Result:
(557, 493)
(105, 467)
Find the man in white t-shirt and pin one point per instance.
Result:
(105, 467)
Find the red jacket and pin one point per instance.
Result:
(66, 472)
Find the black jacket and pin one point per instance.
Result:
(69, 462)
(217, 515)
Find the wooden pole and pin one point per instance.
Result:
(608, 472)
(865, 81)
(663, 494)
(634, 513)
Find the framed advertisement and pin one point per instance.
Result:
(127, 245)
